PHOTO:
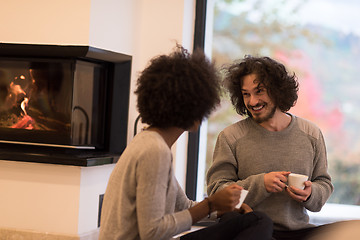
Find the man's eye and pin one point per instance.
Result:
(260, 90)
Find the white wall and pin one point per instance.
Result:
(93, 182)
(64, 199)
(43, 21)
(41, 197)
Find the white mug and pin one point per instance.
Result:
(297, 180)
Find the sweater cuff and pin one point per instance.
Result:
(183, 221)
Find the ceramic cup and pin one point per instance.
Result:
(297, 180)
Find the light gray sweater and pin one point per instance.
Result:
(245, 151)
(143, 199)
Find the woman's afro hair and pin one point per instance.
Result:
(178, 89)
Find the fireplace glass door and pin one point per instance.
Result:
(52, 102)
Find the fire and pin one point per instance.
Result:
(16, 92)
(24, 104)
(25, 123)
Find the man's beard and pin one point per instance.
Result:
(265, 118)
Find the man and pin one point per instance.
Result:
(143, 199)
(259, 152)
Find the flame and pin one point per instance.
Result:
(24, 104)
(15, 91)
(22, 77)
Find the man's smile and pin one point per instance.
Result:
(257, 107)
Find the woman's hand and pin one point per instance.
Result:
(222, 201)
(244, 209)
(226, 199)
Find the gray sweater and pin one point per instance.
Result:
(245, 151)
(143, 199)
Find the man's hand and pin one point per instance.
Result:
(275, 181)
(298, 194)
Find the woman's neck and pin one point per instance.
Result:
(170, 134)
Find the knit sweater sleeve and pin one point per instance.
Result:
(153, 178)
(321, 186)
(182, 201)
(224, 169)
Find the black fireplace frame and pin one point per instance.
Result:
(116, 113)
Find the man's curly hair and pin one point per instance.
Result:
(281, 86)
(178, 89)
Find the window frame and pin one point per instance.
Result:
(194, 137)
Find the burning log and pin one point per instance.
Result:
(25, 123)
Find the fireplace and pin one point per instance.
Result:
(63, 104)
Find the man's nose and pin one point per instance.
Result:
(254, 100)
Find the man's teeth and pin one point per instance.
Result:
(257, 108)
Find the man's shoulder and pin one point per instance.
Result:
(308, 127)
(236, 130)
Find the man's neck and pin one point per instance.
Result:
(278, 122)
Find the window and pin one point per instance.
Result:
(322, 48)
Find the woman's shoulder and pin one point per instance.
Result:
(149, 144)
